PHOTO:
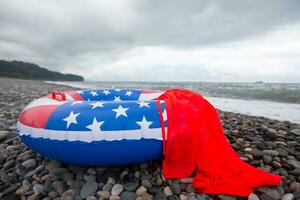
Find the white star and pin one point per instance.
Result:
(117, 90)
(120, 111)
(93, 93)
(117, 99)
(128, 93)
(106, 92)
(144, 123)
(95, 126)
(144, 104)
(164, 114)
(76, 102)
(71, 119)
(97, 104)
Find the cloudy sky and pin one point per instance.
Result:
(139, 40)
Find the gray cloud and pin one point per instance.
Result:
(80, 35)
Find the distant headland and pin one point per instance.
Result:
(25, 70)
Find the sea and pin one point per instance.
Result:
(279, 101)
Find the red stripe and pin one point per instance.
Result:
(75, 95)
(38, 116)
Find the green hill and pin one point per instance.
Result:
(24, 70)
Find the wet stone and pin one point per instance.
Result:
(127, 195)
(59, 171)
(88, 188)
(29, 164)
(117, 189)
(160, 196)
(22, 190)
(131, 185)
(59, 187)
(288, 196)
(104, 194)
(9, 164)
(155, 190)
(38, 188)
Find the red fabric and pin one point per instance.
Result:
(196, 146)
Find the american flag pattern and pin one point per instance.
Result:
(104, 120)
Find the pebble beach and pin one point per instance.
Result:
(271, 145)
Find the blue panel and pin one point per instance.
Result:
(86, 114)
(110, 94)
(102, 153)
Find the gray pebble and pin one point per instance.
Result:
(88, 189)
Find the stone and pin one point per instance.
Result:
(33, 197)
(267, 159)
(114, 197)
(265, 197)
(190, 188)
(89, 177)
(183, 197)
(226, 197)
(287, 196)
(271, 192)
(146, 183)
(140, 191)
(272, 134)
(176, 188)
(59, 171)
(155, 190)
(203, 197)
(22, 190)
(158, 181)
(271, 152)
(296, 132)
(168, 191)
(107, 187)
(294, 163)
(297, 155)
(37, 188)
(127, 195)
(92, 171)
(29, 164)
(295, 186)
(160, 196)
(67, 177)
(47, 187)
(297, 195)
(52, 194)
(104, 194)
(3, 135)
(88, 189)
(131, 185)
(256, 153)
(146, 196)
(276, 164)
(9, 164)
(117, 189)
(91, 198)
(59, 187)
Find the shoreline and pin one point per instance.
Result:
(269, 144)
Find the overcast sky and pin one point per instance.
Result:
(138, 40)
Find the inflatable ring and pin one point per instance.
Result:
(100, 127)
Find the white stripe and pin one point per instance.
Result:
(149, 96)
(43, 101)
(88, 136)
(47, 101)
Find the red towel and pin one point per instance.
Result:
(196, 146)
